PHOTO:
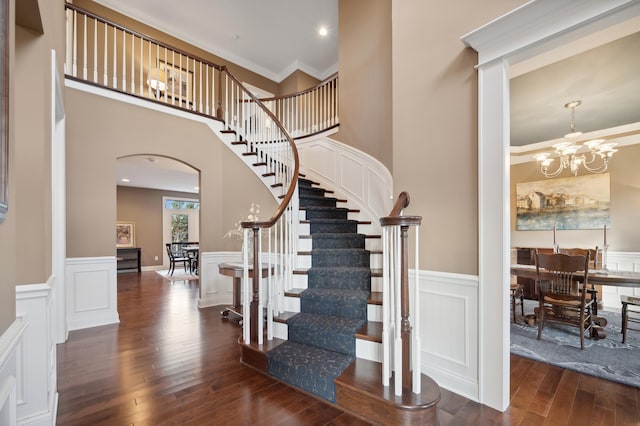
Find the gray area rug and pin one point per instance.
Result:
(559, 345)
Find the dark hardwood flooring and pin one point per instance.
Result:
(168, 362)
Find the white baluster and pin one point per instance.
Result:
(95, 50)
(416, 343)
(84, 46)
(75, 44)
(105, 76)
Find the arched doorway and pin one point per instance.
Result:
(161, 196)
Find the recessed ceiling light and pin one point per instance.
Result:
(323, 31)
(235, 36)
(125, 180)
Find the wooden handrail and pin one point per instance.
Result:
(302, 92)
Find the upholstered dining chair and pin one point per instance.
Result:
(562, 290)
(175, 258)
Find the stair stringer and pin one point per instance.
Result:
(227, 139)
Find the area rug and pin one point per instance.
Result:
(559, 345)
(178, 275)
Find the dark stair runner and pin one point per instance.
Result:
(321, 342)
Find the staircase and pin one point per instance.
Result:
(321, 341)
(319, 355)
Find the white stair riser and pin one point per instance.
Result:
(292, 304)
(280, 331)
(369, 350)
(374, 313)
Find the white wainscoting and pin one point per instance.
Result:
(11, 342)
(361, 179)
(37, 398)
(91, 292)
(449, 330)
(622, 261)
(215, 289)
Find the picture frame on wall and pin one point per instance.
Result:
(581, 202)
(179, 82)
(4, 109)
(125, 234)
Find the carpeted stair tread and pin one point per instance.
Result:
(338, 240)
(333, 226)
(335, 302)
(329, 332)
(340, 257)
(314, 200)
(346, 277)
(307, 367)
(310, 190)
(324, 212)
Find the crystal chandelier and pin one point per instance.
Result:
(593, 155)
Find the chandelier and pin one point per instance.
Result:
(593, 155)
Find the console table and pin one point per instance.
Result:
(236, 270)
(128, 259)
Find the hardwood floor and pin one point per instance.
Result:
(168, 362)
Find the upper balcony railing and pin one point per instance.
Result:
(110, 55)
(310, 111)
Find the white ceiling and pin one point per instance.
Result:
(274, 38)
(149, 171)
(606, 79)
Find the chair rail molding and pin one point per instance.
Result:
(531, 29)
(91, 292)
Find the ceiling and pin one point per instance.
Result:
(272, 38)
(149, 171)
(606, 79)
(279, 36)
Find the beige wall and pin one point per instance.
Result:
(435, 124)
(297, 81)
(623, 234)
(144, 207)
(100, 130)
(364, 57)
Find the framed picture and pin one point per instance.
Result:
(4, 108)
(179, 82)
(581, 202)
(125, 234)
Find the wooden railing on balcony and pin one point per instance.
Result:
(110, 55)
(105, 54)
(310, 111)
(400, 304)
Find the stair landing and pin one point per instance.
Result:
(359, 391)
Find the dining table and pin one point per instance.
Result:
(604, 277)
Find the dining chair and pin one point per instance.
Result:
(595, 255)
(517, 298)
(562, 288)
(174, 258)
